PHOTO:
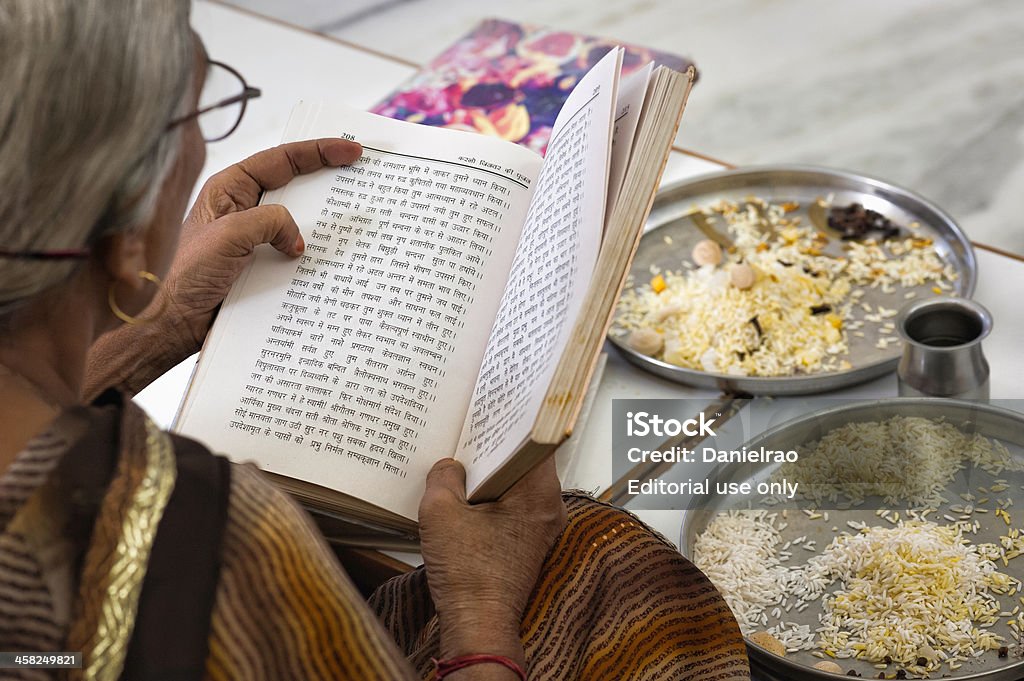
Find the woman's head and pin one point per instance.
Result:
(87, 89)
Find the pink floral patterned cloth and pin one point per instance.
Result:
(508, 79)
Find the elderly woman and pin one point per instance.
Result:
(156, 559)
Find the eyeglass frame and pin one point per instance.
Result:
(248, 92)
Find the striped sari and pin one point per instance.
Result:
(614, 601)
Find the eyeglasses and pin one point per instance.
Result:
(222, 102)
(221, 107)
(58, 254)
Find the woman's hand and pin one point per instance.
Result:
(483, 560)
(217, 240)
(225, 225)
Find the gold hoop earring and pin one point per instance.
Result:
(129, 319)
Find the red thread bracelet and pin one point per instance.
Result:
(443, 668)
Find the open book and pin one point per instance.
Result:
(453, 297)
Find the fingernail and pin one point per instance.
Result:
(300, 245)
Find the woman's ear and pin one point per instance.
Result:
(124, 256)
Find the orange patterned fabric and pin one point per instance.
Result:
(615, 601)
(284, 608)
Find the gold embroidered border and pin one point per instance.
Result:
(104, 656)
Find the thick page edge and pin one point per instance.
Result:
(570, 417)
(569, 455)
(606, 72)
(530, 453)
(542, 444)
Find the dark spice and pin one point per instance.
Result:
(757, 325)
(1004, 651)
(922, 662)
(856, 222)
(853, 672)
(887, 659)
(901, 673)
(820, 309)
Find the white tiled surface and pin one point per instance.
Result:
(924, 93)
(289, 64)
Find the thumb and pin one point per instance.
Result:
(267, 224)
(447, 475)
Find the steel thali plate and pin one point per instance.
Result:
(1004, 425)
(802, 184)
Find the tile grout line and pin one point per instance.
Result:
(703, 157)
(303, 29)
(998, 251)
(352, 19)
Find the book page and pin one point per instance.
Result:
(565, 395)
(555, 258)
(628, 104)
(352, 366)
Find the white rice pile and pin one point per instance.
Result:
(906, 592)
(912, 591)
(903, 591)
(737, 553)
(904, 460)
(706, 324)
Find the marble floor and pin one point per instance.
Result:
(923, 93)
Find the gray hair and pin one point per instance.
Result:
(87, 88)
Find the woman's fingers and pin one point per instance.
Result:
(267, 224)
(276, 167)
(238, 187)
